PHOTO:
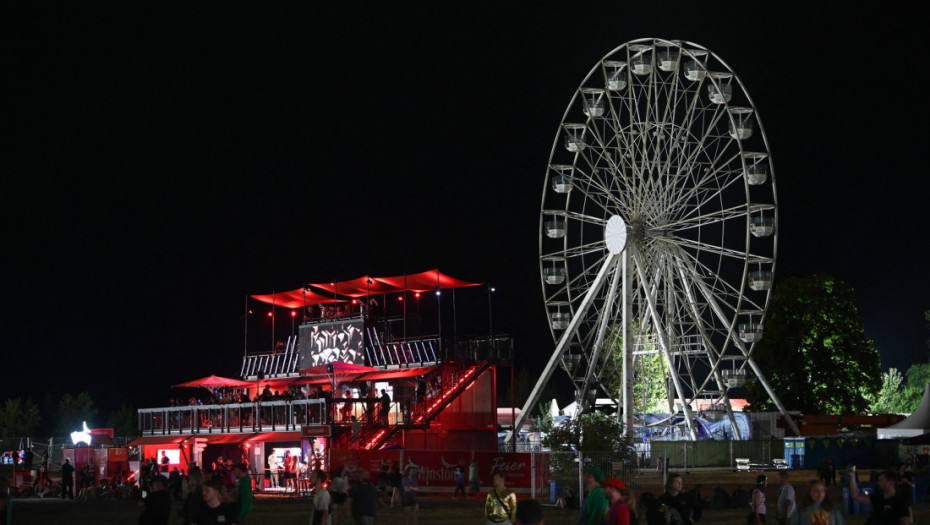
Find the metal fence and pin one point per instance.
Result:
(646, 473)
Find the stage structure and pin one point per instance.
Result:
(658, 232)
(353, 360)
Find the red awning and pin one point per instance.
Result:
(295, 298)
(222, 438)
(274, 436)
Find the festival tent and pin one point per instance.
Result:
(216, 382)
(916, 424)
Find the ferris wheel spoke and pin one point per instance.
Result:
(692, 221)
(714, 249)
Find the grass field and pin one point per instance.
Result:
(435, 508)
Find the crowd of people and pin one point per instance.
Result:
(222, 492)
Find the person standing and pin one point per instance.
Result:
(273, 470)
(501, 503)
(363, 500)
(473, 481)
(214, 510)
(758, 514)
(817, 508)
(6, 503)
(412, 465)
(619, 511)
(459, 482)
(356, 430)
(383, 472)
(385, 407)
(157, 503)
(244, 488)
(787, 505)
(529, 512)
(321, 499)
(409, 489)
(595, 505)
(888, 505)
(672, 507)
(396, 480)
(194, 502)
(67, 479)
(337, 493)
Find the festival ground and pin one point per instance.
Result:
(435, 508)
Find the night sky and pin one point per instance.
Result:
(163, 164)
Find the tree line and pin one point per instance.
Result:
(59, 416)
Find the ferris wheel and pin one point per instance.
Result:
(658, 230)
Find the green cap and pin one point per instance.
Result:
(596, 472)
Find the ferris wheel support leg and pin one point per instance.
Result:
(561, 346)
(666, 351)
(715, 370)
(627, 382)
(606, 316)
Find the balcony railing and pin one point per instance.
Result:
(267, 416)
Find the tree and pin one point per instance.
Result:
(889, 399)
(123, 421)
(19, 418)
(815, 352)
(917, 378)
(592, 432)
(73, 411)
(650, 376)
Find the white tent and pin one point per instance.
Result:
(916, 424)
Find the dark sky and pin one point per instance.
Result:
(163, 164)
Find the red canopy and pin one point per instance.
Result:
(365, 285)
(426, 281)
(216, 381)
(338, 368)
(295, 298)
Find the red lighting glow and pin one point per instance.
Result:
(400, 297)
(417, 295)
(293, 313)
(270, 314)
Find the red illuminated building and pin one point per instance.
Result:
(319, 394)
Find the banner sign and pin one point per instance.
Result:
(312, 431)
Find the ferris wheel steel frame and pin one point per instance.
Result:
(662, 138)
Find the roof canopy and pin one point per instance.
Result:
(216, 381)
(295, 298)
(365, 285)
